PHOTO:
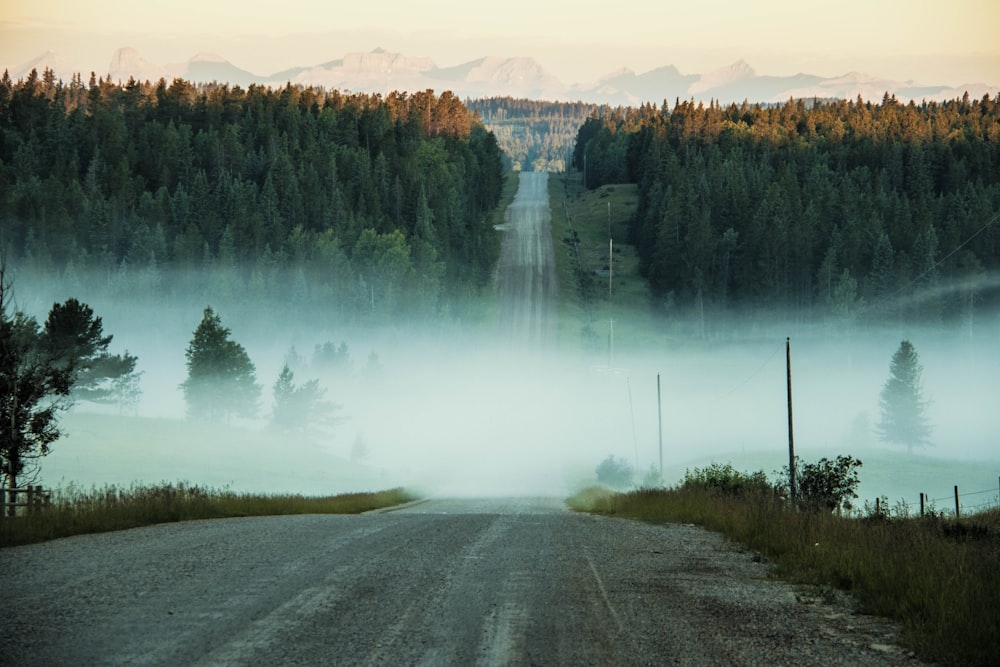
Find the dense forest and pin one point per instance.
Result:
(842, 209)
(368, 207)
(534, 135)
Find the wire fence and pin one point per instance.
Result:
(982, 503)
(956, 505)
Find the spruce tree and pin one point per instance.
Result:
(221, 378)
(904, 420)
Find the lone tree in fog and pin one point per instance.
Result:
(221, 379)
(300, 408)
(904, 420)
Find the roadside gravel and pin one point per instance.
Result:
(488, 582)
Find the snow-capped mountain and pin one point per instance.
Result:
(48, 60)
(381, 71)
(126, 63)
(739, 72)
(517, 77)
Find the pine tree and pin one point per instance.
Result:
(221, 378)
(75, 338)
(34, 388)
(300, 408)
(903, 407)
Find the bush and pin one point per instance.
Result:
(726, 479)
(615, 472)
(828, 485)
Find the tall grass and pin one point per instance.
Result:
(74, 511)
(936, 576)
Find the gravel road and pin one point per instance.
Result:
(444, 582)
(526, 276)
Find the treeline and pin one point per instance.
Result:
(534, 135)
(847, 209)
(366, 206)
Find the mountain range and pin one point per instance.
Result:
(380, 71)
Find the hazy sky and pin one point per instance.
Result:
(925, 40)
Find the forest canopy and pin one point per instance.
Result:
(534, 135)
(844, 209)
(370, 206)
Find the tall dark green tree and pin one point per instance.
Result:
(74, 337)
(221, 381)
(33, 389)
(35, 383)
(904, 418)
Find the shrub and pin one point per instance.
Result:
(826, 484)
(615, 472)
(724, 478)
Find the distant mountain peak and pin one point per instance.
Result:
(48, 60)
(126, 63)
(206, 57)
(382, 71)
(724, 76)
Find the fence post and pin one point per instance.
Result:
(12, 501)
(921, 503)
(878, 509)
(957, 513)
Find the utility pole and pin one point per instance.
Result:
(659, 414)
(611, 266)
(791, 437)
(611, 343)
(611, 253)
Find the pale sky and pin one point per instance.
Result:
(929, 41)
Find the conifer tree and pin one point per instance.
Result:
(221, 378)
(904, 419)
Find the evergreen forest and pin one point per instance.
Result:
(534, 135)
(837, 211)
(370, 209)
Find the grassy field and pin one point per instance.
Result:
(99, 449)
(934, 575)
(77, 512)
(590, 298)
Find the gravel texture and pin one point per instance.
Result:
(490, 582)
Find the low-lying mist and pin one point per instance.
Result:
(456, 410)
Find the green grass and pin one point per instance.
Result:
(99, 449)
(77, 512)
(510, 184)
(935, 576)
(580, 223)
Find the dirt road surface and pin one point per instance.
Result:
(461, 582)
(526, 276)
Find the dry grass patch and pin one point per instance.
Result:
(74, 511)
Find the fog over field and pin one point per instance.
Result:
(460, 410)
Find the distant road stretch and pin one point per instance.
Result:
(489, 582)
(526, 275)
